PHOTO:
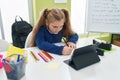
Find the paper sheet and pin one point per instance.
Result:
(12, 50)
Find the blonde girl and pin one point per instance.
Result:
(51, 27)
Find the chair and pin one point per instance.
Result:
(4, 45)
(27, 42)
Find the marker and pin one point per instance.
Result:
(1, 64)
(8, 59)
(18, 58)
(7, 67)
(1, 61)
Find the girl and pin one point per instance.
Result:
(52, 26)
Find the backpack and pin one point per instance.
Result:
(20, 31)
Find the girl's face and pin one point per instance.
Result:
(56, 26)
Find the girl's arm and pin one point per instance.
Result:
(73, 38)
(46, 46)
(72, 41)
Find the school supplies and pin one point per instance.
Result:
(8, 59)
(48, 55)
(7, 67)
(1, 61)
(18, 58)
(35, 56)
(46, 60)
(15, 68)
(45, 56)
(16, 50)
(21, 28)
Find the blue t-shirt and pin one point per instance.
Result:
(45, 40)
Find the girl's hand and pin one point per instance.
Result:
(71, 44)
(67, 50)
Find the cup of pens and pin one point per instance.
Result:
(14, 66)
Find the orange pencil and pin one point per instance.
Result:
(34, 55)
(43, 57)
(42, 54)
(48, 55)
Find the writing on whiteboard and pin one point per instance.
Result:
(105, 12)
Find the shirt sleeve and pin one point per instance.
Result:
(73, 38)
(44, 45)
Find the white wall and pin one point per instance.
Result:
(78, 8)
(9, 9)
(1, 27)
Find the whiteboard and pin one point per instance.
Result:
(103, 16)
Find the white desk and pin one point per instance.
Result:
(107, 69)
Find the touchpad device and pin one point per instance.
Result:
(83, 57)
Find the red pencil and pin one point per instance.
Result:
(7, 66)
(48, 55)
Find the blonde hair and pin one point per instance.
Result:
(51, 15)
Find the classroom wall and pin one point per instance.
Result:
(101, 36)
(39, 5)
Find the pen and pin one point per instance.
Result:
(65, 42)
(18, 58)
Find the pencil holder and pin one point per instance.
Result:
(15, 70)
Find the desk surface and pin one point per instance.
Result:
(107, 69)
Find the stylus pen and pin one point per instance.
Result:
(65, 42)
